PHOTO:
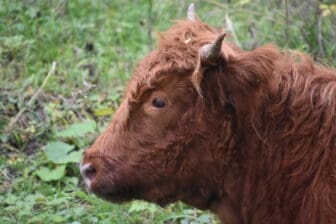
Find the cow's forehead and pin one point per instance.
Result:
(176, 53)
(156, 69)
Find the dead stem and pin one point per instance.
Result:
(32, 99)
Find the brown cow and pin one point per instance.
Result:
(250, 135)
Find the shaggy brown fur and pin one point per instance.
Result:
(252, 139)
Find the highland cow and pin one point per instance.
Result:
(250, 135)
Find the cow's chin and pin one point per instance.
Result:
(163, 201)
(158, 195)
(118, 192)
(113, 192)
(116, 197)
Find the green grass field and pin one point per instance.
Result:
(63, 67)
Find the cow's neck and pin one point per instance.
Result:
(223, 171)
(227, 211)
(229, 168)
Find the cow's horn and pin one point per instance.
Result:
(211, 52)
(191, 12)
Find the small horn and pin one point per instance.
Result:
(211, 52)
(191, 12)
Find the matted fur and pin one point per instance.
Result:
(252, 139)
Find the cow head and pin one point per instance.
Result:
(171, 137)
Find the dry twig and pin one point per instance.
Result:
(319, 32)
(32, 99)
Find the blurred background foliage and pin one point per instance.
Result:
(63, 67)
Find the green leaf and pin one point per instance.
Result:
(75, 156)
(4, 138)
(56, 218)
(205, 218)
(78, 129)
(47, 174)
(60, 153)
(139, 206)
(11, 199)
(104, 112)
(243, 2)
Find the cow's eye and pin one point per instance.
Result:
(158, 103)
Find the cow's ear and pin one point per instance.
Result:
(209, 56)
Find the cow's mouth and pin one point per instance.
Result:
(104, 183)
(112, 185)
(114, 189)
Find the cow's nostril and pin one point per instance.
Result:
(91, 173)
(88, 172)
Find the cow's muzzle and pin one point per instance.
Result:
(88, 173)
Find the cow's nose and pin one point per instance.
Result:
(88, 173)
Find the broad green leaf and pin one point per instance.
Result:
(47, 174)
(74, 156)
(78, 129)
(57, 152)
(61, 153)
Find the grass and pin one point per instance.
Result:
(95, 46)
